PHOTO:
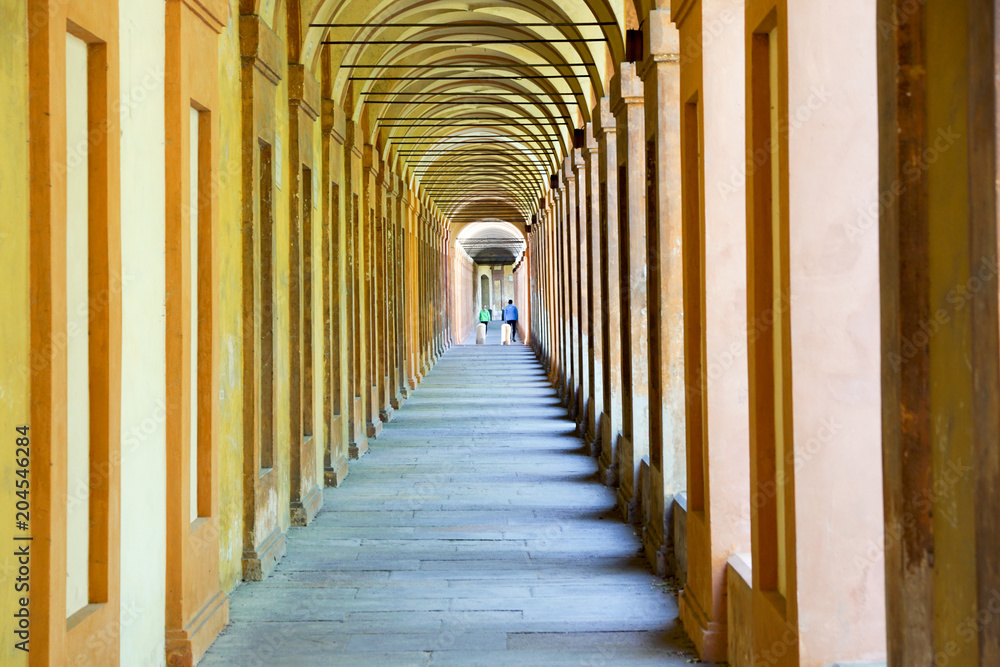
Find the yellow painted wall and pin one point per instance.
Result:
(230, 317)
(14, 399)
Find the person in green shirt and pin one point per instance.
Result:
(484, 317)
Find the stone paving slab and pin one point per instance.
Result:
(474, 532)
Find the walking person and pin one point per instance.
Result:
(484, 317)
(510, 317)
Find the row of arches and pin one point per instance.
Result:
(284, 204)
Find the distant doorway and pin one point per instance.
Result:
(484, 291)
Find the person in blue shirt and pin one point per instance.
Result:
(510, 317)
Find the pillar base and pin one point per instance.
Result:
(606, 461)
(654, 543)
(582, 404)
(355, 425)
(304, 511)
(566, 395)
(397, 401)
(709, 637)
(259, 563)
(387, 414)
(374, 429)
(589, 432)
(628, 505)
(628, 500)
(357, 449)
(187, 646)
(336, 473)
(594, 437)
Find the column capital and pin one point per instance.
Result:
(590, 141)
(354, 136)
(662, 42)
(332, 120)
(604, 120)
(568, 163)
(679, 10)
(303, 90)
(626, 88)
(370, 159)
(261, 47)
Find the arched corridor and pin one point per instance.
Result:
(476, 533)
(749, 249)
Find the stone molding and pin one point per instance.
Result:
(626, 88)
(303, 90)
(605, 120)
(261, 45)
(333, 120)
(215, 13)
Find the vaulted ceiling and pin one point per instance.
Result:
(474, 104)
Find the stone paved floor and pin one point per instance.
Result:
(474, 532)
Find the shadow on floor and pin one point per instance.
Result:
(472, 533)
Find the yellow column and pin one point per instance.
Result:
(606, 134)
(937, 217)
(412, 292)
(358, 434)
(594, 292)
(371, 190)
(712, 428)
(582, 293)
(571, 284)
(667, 476)
(334, 283)
(564, 363)
(628, 109)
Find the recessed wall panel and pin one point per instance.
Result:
(78, 336)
